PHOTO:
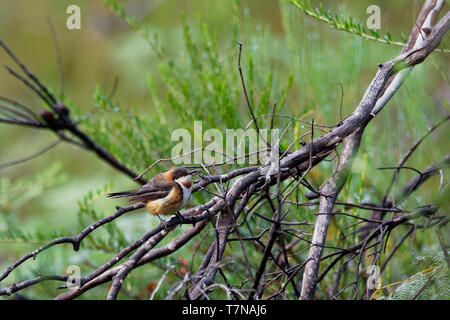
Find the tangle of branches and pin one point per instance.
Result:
(240, 192)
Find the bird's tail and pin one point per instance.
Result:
(122, 194)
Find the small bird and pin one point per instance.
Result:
(166, 193)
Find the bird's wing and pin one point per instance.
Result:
(152, 190)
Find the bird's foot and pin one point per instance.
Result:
(163, 222)
(180, 217)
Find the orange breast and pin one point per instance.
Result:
(168, 205)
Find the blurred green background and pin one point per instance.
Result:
(44, 197)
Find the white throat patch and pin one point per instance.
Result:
(186, 191)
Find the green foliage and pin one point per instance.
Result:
(15, 194)
(348, 25)
(433, 283)
(112, 239)
(202, 84)
(122, 131)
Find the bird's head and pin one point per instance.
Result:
(181, 175)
